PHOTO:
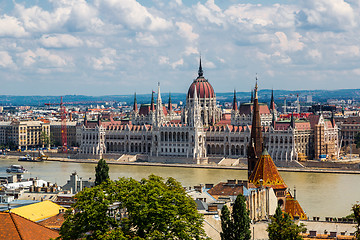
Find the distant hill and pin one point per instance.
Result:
(264, 96)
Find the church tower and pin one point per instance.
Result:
(255, 147)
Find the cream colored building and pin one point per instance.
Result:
(23, 134)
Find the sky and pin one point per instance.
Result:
(116, 47)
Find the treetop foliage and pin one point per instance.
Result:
(283, 228)
(148, 209)
(101, 172)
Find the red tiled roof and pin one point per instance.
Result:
(14, 227)
(293, 208)
(266, 171)
(226, 189)
(53, 222)
(247, 108)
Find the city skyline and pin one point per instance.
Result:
(114, 47)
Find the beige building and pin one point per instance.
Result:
(23, 134)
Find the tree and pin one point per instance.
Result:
(356, 212)
(238, 227)
(44, 139)
(283, 228)
(226, 224)
(148, 209)
(101, 172)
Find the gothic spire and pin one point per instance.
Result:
(152, 106)
(169, 104)
(292, 120)
(235, 106)
(135, 107)
(200, 72)
(252, 97)
(255, 147)
(272, 102)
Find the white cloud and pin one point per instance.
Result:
(5, 60)
(36, 19)
(289, 45)
(146, 39)
(208, 64)
(186, 31)
(60, 41)
(11, 27)
(327, 14)
(133, 14)
(315, 54)
(107, 61)
(210, 13)
(163, 60)
(348, 50)
(180, 62)
(190, 50)
(44, 58)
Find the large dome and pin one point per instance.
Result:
(203, 87)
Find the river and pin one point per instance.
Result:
(320, 194)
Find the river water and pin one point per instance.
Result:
(320, 194)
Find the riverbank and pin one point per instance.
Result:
(311, 169)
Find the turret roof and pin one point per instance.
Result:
(266, 171)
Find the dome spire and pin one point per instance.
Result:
(200, 72)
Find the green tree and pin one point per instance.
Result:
(356, 212)
(357, 140)
(150, 209)
(238, 227)
(44, 139)
(101, 172)
(283, 228)
(226, 224)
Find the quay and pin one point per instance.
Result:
(311, 169)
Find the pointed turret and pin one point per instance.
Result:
(169, 104)
(200, 72)
(292, 121)
(158, 100)
(255, 147)
(252, 97)
(272, 102)
(135, 107)
(266, 174)
(152, 106)
(235, 106)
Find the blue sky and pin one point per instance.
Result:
(105, 47)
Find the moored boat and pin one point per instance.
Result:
(16, 169)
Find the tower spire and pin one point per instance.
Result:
(272, 102)
(255, 147)
(135, 107)
(169, 104)
(152, 106)
(235, 106)
(200, 72)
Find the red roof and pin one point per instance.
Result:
(14, 227)
(203, 88)
(266, 171)
(247, 108)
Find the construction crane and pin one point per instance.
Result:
(63, 124)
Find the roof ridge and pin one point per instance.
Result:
(17, 215)
(16, 227)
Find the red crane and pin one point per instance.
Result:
(63, 124)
